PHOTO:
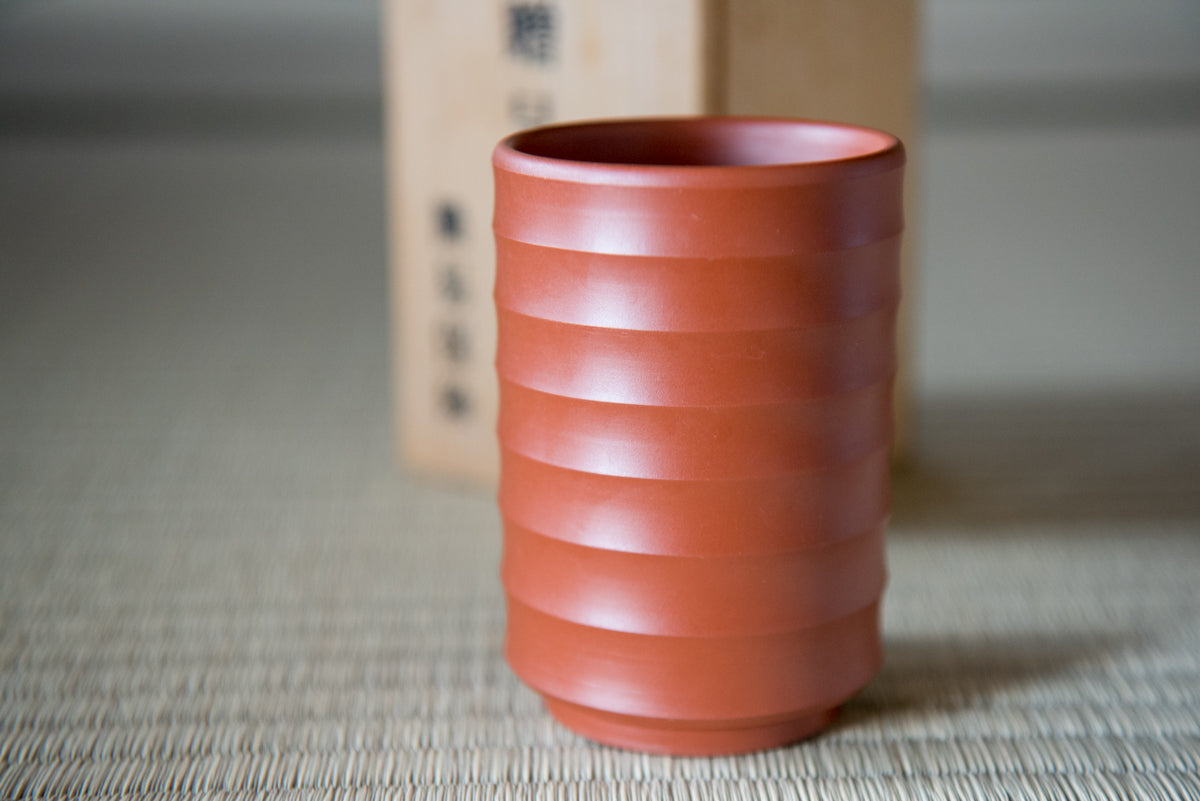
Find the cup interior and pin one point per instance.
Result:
(702, 142)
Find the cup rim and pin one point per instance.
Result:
(822, 150)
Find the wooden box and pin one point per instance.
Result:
(460, 74)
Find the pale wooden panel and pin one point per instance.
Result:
(846, 60)
(445, 94)
(460, 74)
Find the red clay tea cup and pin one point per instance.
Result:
(695, 354)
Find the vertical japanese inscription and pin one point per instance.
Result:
(531, 40)
(452, 339)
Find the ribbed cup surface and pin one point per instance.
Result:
(696, 346)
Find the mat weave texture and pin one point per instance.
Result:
(214, 581)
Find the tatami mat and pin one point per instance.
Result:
(215, 582)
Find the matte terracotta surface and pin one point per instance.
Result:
(648, 293)
(696, 368)
(681, 442)
(696, 517)
(695, 596)
(696, 324)
(720, 681)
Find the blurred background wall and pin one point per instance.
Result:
(1062, 187)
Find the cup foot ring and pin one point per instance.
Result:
(686, 738)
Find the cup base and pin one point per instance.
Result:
(684, 738)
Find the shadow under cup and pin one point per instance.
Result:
(696, 350)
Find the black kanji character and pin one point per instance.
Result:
(531, 32)
(452, 285)
(455, 402)
(455, 342)
(526, 109)
(450, 221)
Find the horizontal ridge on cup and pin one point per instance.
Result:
(703, 221)
(694, 442)
(675, 368)
(694, 678)
(706, 596)
(783, 511)
(696, 294)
